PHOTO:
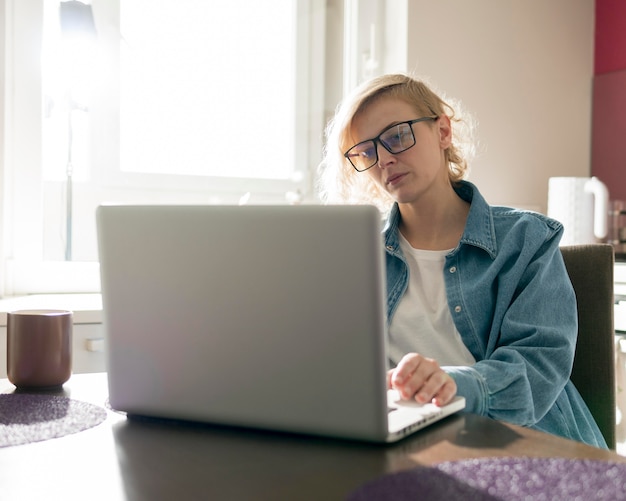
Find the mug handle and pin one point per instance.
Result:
(601, 206)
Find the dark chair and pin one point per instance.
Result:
(590, 268)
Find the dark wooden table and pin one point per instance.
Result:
(148, 460)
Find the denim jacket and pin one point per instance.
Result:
(513, 304)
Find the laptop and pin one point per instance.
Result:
(269, 317)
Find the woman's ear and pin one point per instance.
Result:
(445, 131)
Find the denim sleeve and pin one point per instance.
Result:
(473, 387)
(518, 318)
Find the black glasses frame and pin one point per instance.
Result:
(377, 140)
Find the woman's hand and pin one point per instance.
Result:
(420, 378)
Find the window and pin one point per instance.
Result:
(202, 85)
(143, 120)
(172, 102)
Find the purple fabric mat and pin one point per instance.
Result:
(528, 479)
(26, 418)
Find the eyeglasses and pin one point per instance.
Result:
(394, 139)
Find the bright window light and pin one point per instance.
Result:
(186, 101)
(207, 88)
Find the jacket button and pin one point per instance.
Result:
(457, 309)
(453, 269)
(390, 247)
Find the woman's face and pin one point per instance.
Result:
(415, 172)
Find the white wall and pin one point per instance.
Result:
(524, 68)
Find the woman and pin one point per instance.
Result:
(479, 300)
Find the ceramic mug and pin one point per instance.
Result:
(39, 348)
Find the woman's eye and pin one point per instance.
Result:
(369, 153)
(394, 141)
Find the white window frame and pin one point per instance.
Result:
(309, 18)
(21, 235)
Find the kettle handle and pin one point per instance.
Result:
(601, 206)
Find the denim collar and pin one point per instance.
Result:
(479, 227)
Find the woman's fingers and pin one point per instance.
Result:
(420, 378)
(440, 388)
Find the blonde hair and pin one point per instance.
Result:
(339, 182)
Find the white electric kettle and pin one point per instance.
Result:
(581, 204)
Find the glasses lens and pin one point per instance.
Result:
(398, 138)
(363, 155)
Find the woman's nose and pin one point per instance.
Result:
(384, 157)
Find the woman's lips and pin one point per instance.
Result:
(395, 179)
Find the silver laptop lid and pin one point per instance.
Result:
(263, 316)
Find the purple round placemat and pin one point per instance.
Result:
(418, 484)
(507, 478)
(26, 418)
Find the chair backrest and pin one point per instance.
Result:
(590, 268)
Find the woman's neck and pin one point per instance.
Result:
(434, 225)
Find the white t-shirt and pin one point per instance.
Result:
(422, 322)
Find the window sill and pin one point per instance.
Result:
(87, 308)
